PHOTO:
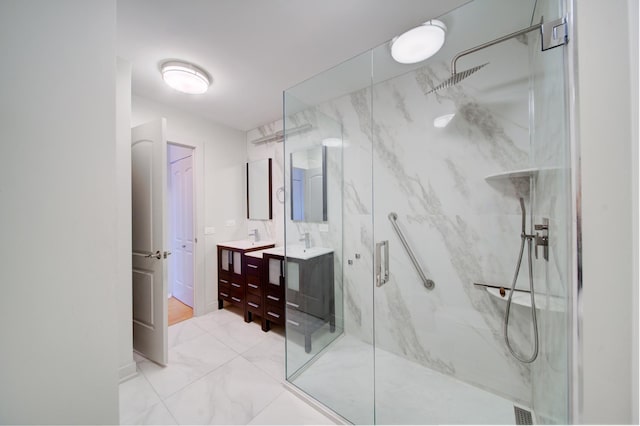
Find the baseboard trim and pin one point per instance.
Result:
(127, 372)
(318, 406)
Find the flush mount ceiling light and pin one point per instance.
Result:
(185, 77)
(418, 43)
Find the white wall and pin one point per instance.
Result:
(634, 17)
(58, 362)
(271, 230)
(605, 127)
(123, 263)
(219, 163)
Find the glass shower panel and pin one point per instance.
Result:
(551, 204)
(449, 171)
(398, 275)
(328, 272)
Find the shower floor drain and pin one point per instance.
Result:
(523, 417)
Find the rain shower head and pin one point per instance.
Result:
(552, 34)
(456, 78)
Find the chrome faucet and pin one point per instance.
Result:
(307, 241)
(254, 233)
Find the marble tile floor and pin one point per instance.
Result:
(405, 392)
(221, 371)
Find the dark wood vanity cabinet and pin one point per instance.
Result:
(310, 296)
(273, 280)
(255, 294)
(232, 281)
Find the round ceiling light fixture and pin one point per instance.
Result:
(418, 43)
(185, 77)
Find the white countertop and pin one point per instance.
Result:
(299, 252)
(256, 253)
(246, 244)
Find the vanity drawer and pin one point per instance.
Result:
(235, 285)
(276, 290)
(236, 299)
(254, 286)
(274, 299)
(224, 292)
(253, 266)
(274, 313)
(254, 304)
(224, 279)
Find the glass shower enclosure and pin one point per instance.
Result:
(404, 223)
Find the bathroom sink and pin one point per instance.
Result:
(246, 244)
(300, 252)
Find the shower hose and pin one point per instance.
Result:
(528, 239)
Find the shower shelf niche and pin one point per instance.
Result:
(523, 298)
(522, 173)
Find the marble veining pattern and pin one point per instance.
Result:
(435, 181)
(209, 382)
(463, 229)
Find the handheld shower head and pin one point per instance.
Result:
(524, 216)
(456, 77)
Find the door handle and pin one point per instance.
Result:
(157, 255)
(382, 276)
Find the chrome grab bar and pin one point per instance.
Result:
(429, 284)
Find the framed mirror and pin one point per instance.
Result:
(259, 205)
(309, 185)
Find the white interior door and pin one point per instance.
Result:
(182, 229)
(148, 191)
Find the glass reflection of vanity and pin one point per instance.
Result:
(310, 296)
(308, 268)
(309, 185)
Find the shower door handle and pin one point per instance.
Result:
(382, 275)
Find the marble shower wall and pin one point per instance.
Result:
(463, 228)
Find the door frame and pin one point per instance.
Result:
(171, 199)
(199, 304)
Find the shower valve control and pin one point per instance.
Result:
(542, 239)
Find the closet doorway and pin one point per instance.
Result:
(180, 197)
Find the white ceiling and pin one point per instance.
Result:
(254, 49)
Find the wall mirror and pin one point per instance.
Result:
(309, 185)
(259, 190)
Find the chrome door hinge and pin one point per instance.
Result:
(554, 33)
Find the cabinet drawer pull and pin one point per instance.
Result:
(273, 298)
(252, 266)
(224, 281)
(293, 305)
(235, 285)
(235, 299)
(253, 305)
(297, 324)
(224, 294)
(273, 314)
(252, 285)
